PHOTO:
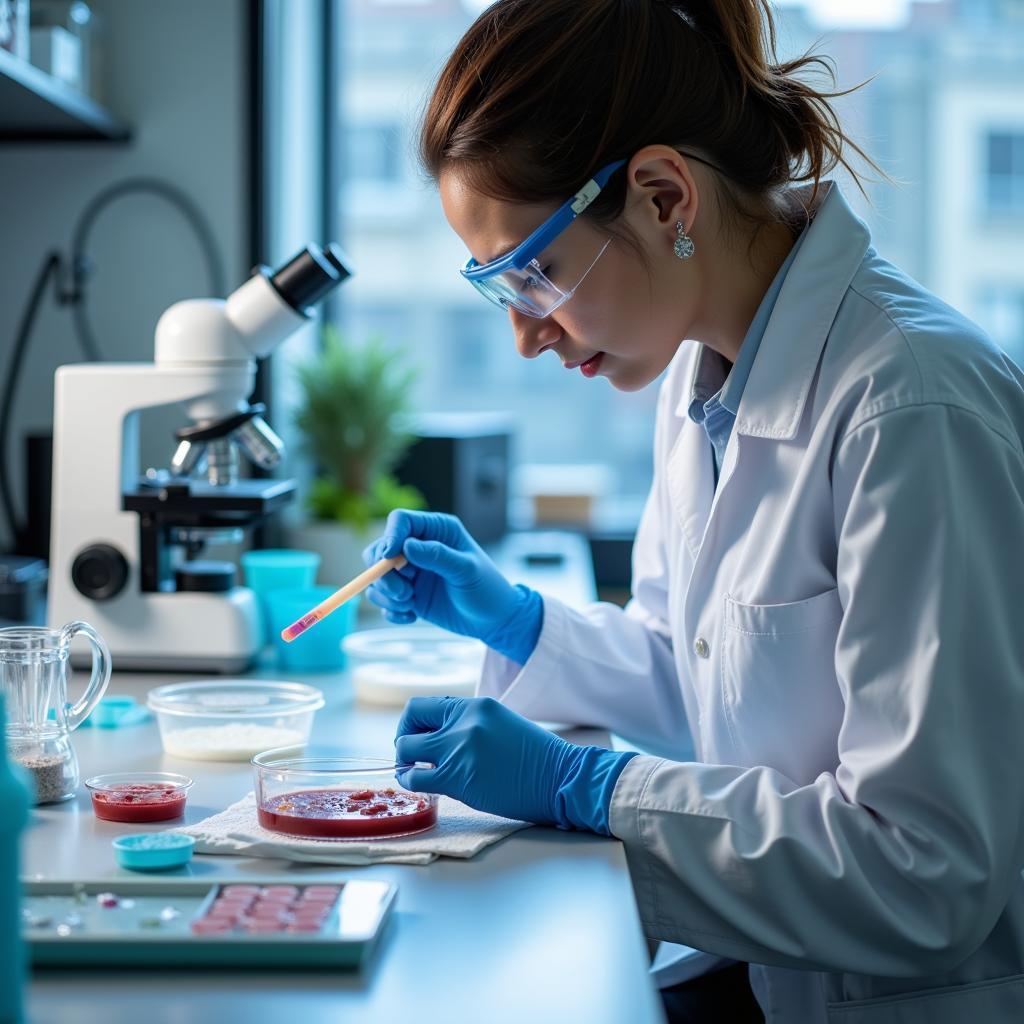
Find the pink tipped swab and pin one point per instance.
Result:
(341, 595)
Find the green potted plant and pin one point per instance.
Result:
(353, 400)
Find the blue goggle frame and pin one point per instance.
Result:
(535, 243)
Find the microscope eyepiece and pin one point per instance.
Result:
(255, 318)
(308, 277)
(336, 258)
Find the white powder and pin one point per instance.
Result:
(235, 741)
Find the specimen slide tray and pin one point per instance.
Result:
(116, 937)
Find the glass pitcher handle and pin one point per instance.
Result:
(76, 713)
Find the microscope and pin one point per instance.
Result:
(123, 542)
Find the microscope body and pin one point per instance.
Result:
(95, 462)
(114, 529)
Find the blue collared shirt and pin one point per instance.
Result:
(716, 393)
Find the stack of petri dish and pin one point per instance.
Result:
(392, 664)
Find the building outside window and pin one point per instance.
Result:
(373, 154)
(1002, 308)
(1004, 172)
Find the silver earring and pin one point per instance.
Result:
(683, 247)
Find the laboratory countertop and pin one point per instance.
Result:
(540, 927)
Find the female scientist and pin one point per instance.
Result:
(827, 574)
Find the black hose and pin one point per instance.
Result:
(50, 265)
(76, 297)
(81, 266)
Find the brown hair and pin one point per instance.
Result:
(538, 94)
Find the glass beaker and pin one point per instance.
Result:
(34, 681)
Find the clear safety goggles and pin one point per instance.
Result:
(516, 279)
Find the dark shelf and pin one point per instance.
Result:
(36, 107)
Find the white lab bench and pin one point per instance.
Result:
(540, 927)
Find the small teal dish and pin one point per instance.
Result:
(319, 647)
(114, 711)
(153, 851)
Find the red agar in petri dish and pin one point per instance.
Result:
(139, 802)
(348, 814)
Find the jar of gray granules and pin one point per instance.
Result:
(54, 775)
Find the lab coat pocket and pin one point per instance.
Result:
(981, 1001)
(780, 698)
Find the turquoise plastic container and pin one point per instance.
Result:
(153, 851)
(277, 569)
(14, 806)
(319, 648)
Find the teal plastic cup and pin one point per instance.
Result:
(277, 569)
(318, 649)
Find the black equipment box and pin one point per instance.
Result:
(460, 462)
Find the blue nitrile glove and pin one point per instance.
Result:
(489, 757)
(452, 583)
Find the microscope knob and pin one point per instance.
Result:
(99, 571)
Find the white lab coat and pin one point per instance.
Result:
(840, 627)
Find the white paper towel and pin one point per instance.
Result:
(460, 832)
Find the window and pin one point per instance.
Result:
(942, 116)
(1004, 172)
(373, 154)
(473, 351)
(1002, 309)
(407, 259)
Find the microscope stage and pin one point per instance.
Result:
(191, 497)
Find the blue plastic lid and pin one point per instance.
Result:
(153, 851)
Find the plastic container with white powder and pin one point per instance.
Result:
(232, 719)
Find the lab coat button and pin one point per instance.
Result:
(701, 648)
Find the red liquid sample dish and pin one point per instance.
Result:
(139, 799)
(348, 813)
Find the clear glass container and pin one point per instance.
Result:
(34, 671)
(231, 720)
(138, 797)
(323, 796)
(393, 664)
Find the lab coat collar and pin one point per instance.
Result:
(780, 379)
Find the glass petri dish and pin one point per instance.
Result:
(137, 797)
(233, 719)
(393, 664)
(321, 795)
